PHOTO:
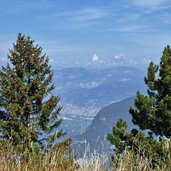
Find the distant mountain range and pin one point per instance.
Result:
(82, 88)
(95, 135)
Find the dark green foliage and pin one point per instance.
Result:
(153, 112)
(136, 141)
(28, 110)
(119, 136)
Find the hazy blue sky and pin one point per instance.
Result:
(71, 31)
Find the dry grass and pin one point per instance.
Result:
(54, 160)
(94, 162)
(136, 162)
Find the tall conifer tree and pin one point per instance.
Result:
(153, 111)
(29, 113)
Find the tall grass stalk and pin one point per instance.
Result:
(55, 160)
(49, 160)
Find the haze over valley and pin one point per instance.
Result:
(84, 92)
